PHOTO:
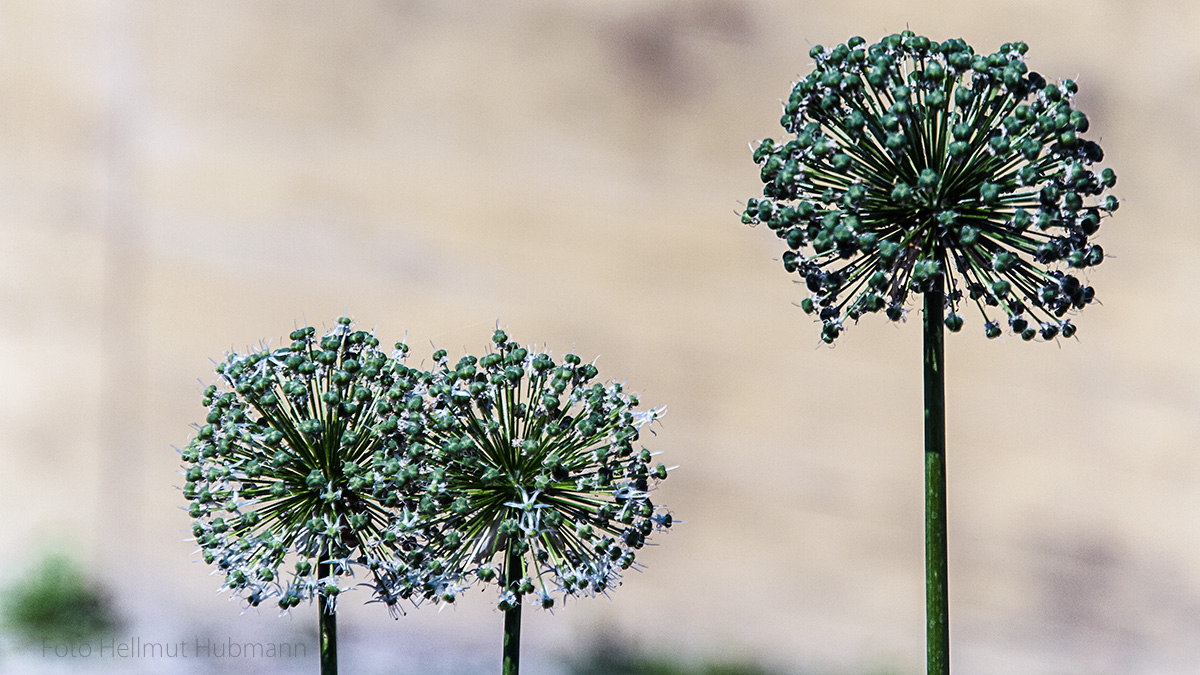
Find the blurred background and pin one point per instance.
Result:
(181, 179)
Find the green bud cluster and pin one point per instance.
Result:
(328, 458)
(541, 466)
(305, 457)
(913, 165)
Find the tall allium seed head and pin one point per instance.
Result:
(913, 166)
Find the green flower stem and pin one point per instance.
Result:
(512, 640)
(937, 606)
(327, 627)
(512, 619)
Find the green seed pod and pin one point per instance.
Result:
(928, 179)
(1004, 261)
(830, 332)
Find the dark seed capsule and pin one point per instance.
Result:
(830, 332)
(879, 280)
(814, 282)
(795, 238)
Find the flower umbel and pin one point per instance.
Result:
(539, 469)
(915, 166)
(304, 458)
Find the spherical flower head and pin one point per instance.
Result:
(303, 460)
(913, 166)
(548, 491)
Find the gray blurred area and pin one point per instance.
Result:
(180, 179)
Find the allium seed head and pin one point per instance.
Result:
(302, 472)
(546, 490)
(913, 166)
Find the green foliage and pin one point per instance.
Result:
(57, 603)
(609, 657)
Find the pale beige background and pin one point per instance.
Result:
(180, 178)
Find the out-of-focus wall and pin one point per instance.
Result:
(179, 179)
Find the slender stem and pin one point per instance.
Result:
(326, 626)
(937, 605)
(512, 640)
(512, 617)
